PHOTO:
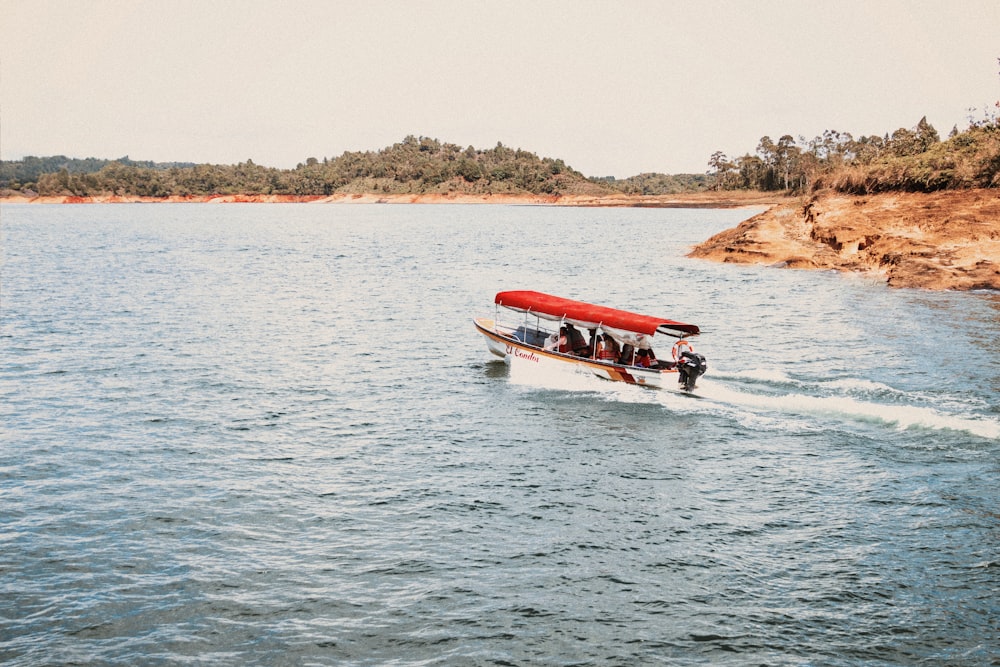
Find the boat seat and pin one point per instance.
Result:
(530, 336)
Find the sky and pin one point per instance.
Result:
(612, 88)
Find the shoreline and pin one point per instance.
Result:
(692, 200)
(947, 240)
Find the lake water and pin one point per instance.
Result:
(269, 434)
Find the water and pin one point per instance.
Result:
(270, 435)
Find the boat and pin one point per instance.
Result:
(537, 328)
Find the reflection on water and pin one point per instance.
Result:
(496, 369)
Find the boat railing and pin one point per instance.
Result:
(531, 335)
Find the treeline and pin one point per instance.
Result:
(30, 169)
(658, 184)
(415, 165)
(910, 159)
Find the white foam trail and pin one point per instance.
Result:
(901, 416)
(775, 376)
(751, 409)
(860, 386)
(769, 375)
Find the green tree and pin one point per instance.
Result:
(721, 169)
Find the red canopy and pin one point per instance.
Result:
(587, 315)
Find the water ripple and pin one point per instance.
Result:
(269, 435)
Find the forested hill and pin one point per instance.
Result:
(914, 159)
(413, 166)
(908, 160)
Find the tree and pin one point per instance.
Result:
(766, 171)
(786, 158)
(721, 169)
(926, 135)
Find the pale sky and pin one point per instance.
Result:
(612, 88)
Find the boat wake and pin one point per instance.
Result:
(845, 406)
(767, 399)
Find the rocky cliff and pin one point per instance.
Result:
(943, 240)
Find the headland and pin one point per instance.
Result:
(948, 240)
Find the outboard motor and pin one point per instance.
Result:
(690, 366)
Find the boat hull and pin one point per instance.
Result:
(502, 343)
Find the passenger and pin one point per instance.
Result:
(566, 340)
(607, 348)
(628, 354)
(642, 359)
(558, 341)
(592, 345)
(576, 342)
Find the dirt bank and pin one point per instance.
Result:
(946, 240)
(696, 200)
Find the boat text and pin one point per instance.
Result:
(521, 354)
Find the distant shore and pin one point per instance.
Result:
(691, 200)
(948, 240)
